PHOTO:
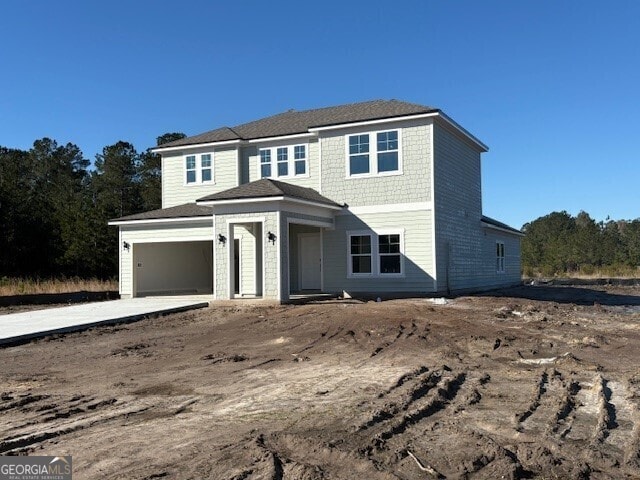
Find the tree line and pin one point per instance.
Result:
(559, 243)
(54, 207)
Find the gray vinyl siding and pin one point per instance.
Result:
(466, 252)
(174, 189)
(250, 163)
(458, 210)
(418, 253)
(413, 185)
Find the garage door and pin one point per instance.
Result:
(173, 268)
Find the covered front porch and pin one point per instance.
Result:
(268, 241)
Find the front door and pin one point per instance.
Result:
(310, 261)
(236, 266)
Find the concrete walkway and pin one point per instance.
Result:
(18, 327)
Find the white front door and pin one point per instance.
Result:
(310, 261)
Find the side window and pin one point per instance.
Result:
(265, 163)
(190, 167)
(500, 257)
(360, 254)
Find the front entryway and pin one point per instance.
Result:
(310, 261)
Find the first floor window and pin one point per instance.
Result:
(190, 165)
(265, 163)
(500, 257)
(389, 251)
(360, 253)
(375, 254)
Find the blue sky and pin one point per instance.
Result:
(553, 87)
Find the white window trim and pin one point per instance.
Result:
(198, 169)
(291, 161)
(375, 253)
(500, 260)
(373, 155)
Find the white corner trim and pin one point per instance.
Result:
(163, 220)
(279, 255)
(387, 208)
(432, 174)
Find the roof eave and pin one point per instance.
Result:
(502, 229)
(271, 198)
(143, 221)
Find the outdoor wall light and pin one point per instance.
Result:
(126, 246)
(271, 237)
(222, 239)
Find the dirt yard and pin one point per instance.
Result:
(534, 382)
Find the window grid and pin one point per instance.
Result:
(375, 255)
(190, 165)
(198, 169)
(376, 153)
(290, 161)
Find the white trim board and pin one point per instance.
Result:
(387, 208)
(203, 219)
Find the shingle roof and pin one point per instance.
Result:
(265, 188)
(496, 223)
(292, 121)
(179, 211)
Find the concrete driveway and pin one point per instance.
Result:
(18, 327)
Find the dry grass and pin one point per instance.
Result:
(22, 286)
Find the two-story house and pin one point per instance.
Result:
(380, 198)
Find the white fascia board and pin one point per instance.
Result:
(269, 199)
(373, 122)
(456, 126)
(163, 220)
(195, 145)
(282, 137)
(388, 208)
(500, 229)
(239, 200)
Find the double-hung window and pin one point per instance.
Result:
(288, 161)
(376, 153)
(265, 163)
(360, 248)
(198, 168)
(374, 254)
(500, 257)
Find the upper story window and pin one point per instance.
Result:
(198, 168)
(290, 161)
(375, 153)
(500, 257)
(374, 254)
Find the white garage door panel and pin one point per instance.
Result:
(173, 267)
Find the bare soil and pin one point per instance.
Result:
(533, 382)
